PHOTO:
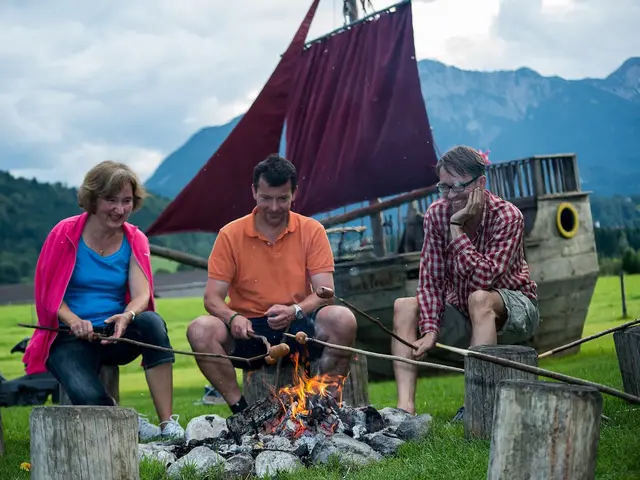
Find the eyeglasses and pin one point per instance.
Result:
(457, 188)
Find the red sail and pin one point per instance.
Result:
(357, 127)
(220, 192)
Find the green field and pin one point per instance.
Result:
(445, 454)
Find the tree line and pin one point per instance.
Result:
(29, 209)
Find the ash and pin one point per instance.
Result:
(286, 432)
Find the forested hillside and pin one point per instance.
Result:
(29, 209)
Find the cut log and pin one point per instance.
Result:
(2, 447)
(258, 384)
(480, 381)
(88, 442)
(544, 430)
(110, 377)
(627, 344)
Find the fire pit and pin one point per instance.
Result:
(299, 425)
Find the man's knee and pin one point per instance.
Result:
(405, 312)
(483, 302)
(206, 329)
(337, 321)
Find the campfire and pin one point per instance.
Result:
(303, 423)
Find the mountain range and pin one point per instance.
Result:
(513, 114)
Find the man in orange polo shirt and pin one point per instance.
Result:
(269, 263)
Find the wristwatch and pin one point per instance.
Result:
(299, 312)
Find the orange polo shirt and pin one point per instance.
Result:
(261, 274)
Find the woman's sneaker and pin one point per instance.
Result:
(171, 428)
(147, 430)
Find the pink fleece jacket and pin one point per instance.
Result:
(53, 273)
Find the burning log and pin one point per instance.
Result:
(252, 420)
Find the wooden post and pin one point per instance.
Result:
(623, 295)
(627, 344)
(258, 384)
(544, 430)
(480, 381)
(110, 377)
(2, 447)
(87, 442)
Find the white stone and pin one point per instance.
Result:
(156, 453)
(203, 458)
(205, 427)
(269, 463)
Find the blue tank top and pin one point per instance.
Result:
(98, 285)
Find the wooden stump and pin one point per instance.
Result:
(2, 447)
(544, 430)
(87, 442)
(481, 379)
(258, 384)
(627, 344)
(110, 377)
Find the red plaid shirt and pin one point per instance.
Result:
(451, 270)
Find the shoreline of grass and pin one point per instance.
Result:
(444, 454)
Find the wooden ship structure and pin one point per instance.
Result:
(559, 238)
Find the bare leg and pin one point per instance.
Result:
(208, 334)
(160, 381)
(487, 313)
(336, 324)
(405, 325)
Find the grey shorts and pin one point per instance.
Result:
(523, 318)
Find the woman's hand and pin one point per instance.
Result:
(120, 321)
(83, 329)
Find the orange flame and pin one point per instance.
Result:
(294, 398)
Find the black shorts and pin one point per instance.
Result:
(255, 347)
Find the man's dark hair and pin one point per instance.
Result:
(462, 160)
(276, 171)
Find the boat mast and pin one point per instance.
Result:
(351, 14)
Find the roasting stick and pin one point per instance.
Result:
(303, 338)
(590, 337)
(541, 371)
(324, 292)
(157, 347)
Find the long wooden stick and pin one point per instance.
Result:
(541, 371)
(590, 337)
(153, 347)
(324, 292)
(380, 355)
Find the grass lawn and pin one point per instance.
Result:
(445, 454)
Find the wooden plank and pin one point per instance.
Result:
(87, 442)
(544, 430)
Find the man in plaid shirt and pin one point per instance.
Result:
(474, 286)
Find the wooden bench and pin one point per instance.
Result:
(258, 384)
(110, 377)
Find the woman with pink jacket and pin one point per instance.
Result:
(94, 276)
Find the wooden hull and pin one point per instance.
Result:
(565, 270)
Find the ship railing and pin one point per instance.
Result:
(534, 176)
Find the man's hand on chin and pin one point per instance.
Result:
(424, 344)
(280, 316)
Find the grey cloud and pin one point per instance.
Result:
(590, 38)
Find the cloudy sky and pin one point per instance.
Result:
(133, 79)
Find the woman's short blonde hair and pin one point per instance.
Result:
(107, 179)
